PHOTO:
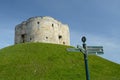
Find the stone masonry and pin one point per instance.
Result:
(42, 29)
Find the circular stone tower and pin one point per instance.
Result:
(42, 29)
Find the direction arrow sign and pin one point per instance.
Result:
(94, 46)
(76, 50)
(95, 53)
(90, 50)
(73, 49)
(95, 50)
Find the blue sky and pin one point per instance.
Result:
(98, 20)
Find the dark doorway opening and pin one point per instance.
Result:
(38, 22)
(23, 38)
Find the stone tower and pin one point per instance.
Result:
(42, 29)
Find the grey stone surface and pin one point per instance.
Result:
(42, 29)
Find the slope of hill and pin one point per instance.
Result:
(42, 61)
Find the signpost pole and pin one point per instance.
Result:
(85, 58)
(86, 50)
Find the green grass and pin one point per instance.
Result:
(42, 61)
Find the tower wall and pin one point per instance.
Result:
(42, 29)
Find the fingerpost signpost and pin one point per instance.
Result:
(87, 50)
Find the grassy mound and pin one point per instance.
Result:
(41, 61)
